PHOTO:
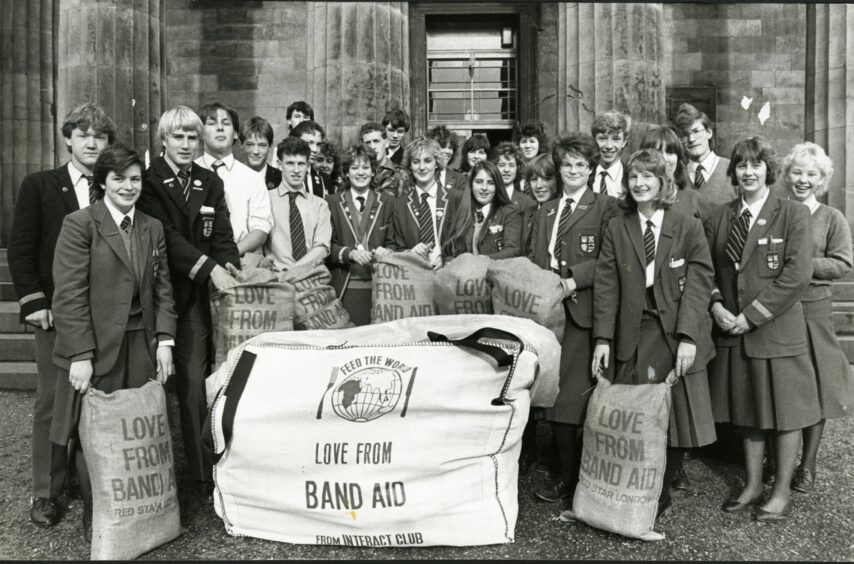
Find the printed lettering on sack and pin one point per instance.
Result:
(368, 387)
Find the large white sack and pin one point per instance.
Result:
(376, 436)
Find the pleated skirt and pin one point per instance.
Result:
(833, 373)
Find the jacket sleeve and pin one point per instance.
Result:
(606, 289)
(165, 323)
(24, 247)
(692, 319)
(338, 252)
(795, 275)
(837, 260)
(512, 234)
(72, 314)
(223, 248)
(709, 226)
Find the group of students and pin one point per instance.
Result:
(672, 260)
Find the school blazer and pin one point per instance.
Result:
(404, 233)
(196, 241)
(775, 271)
(322, 184)
(45, 198)
(684, 278)
(500, 238)
(689, 203)
(347, 233)
(582, 242)
(272, 177)
(95, 283)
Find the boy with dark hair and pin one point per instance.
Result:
(387, 179)
(45, 198)
(706, 170)
(256, 138)
(297, 113)
(448, 143)
(396, 124)
(303, 228)
(611, 131)
(245, 190)
(316, 182)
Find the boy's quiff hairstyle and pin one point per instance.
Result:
(256, 125)
(610, 122)
(370, 127)
(301, 107)
(292, 146)
(89, 115)
(208, 111)
(397, 118)
(445, 137)
(179, 118)
(307, 127)
(686, 115)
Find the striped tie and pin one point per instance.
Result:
(184, 179)
(649, 242)
(361, 201)
(479, 216)
(737, 237)
(563, 226)
(699, 179)
(297, 230)
(125, 223)
(93, 191)
(603, 186)
(425, 221)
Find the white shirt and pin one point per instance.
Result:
(117, 214)
(431, 201)
(754, 208)
(563, 202)
(245, 194)
(80, 185)
(656, 220)
(709, 164)
(613, 179)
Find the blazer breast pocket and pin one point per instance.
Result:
(587, 244)
(771, 251)
(678, 271)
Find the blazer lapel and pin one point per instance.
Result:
(372, 211)
(66, 188)
(762, 224)
(413, 207)
(636, 237)
(110, 232)
(345, 202)
(143, 240)
(581, 208)
(198, 192)
(171, 184)
(441, 204)
(665, 240)
(551, 217)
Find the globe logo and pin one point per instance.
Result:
(367, 394)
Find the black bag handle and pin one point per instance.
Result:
(233, 392)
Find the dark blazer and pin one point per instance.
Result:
(404, 232)
(272, 177)
(397, 156)
(347, 233)
(45, 198)
(454, 179)
(500, 238)
(689, 203)
(95, 282)
(582, 242)
(196, 242)
(683, 281)
(523, 201)
(775, 271)
(322, 183)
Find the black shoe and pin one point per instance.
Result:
(44, 512)
(804, 480)
(680, 479)
(554, 492)
(87, 520)
(732, 505)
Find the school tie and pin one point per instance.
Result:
(216, 166)
(603, 186)
(425, 221)
(649, 242)
(737, 237)
(184, 179)
(125, 225)
(479, 216)
(563, 225)
(361, 201)
(699, 179)
(93, 192)
(297, 230)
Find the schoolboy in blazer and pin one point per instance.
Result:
(315, 182)
(190, 202)
(45, 198)
(404, 233)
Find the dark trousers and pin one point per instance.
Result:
(192, 365)
(49, 459)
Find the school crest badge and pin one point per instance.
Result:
(681, 282)
(773, 260)
(588, 244)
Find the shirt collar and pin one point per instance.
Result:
(431, 191)
(117, 214)
(755, 207)
(614, 173)
(209, 160)
(811, 202)
(355, 195)
(656, 219)
(709, 162)
(284, 188)
(75, 173)
(485, 210)
(575, 197)
(175, 168)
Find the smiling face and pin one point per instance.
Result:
(610, 147)
(324, 164)
(530, 146)
(696, 141)
(474, 157)
(360, 175)
(218, 134)
(124, 187)
(803, 178)
(294, 168)
(423, 167)
(256, 149)
(508, 168)
(543, 188)
(751, 175)
(394, 135)
(644, 186)
(574, 172)
(483, 188)
(85, 146)
(181, 146)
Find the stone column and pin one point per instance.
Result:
(610, 57)
(357, 64)
(830, 95)
(26, 98)
(109, 53)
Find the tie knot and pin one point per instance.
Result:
(700, 168)
(293, 195)
(479, 216)
(217, 165)
(361, 201)
(424, 196)
(183, 174)
(90, 179)
(649, 224)
(746, 215)
(603, 174)
(125, 225)
(570, 201)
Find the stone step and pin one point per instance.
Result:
(9, 320)
(3, 259)
(847, 342)
(18, 376)
(7, 292)
(17, 347)
(5, 275)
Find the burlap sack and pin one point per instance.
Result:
(521, 289)
(316, 305)
(128, 448)
(259, 303)
(622, 462)
(402, 287)
(461, 286)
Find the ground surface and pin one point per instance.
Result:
(820, 528)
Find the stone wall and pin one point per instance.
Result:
(753, 50)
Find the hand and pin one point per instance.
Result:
(222, 279)
(600, 358)
(740, 326)
(361, 257)
(568, 286)
(436, 261)
(79, 374)
(42, 318)
(422, 250)
(686, 351)
(722, 316)
(381, 252)
(165, 366)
